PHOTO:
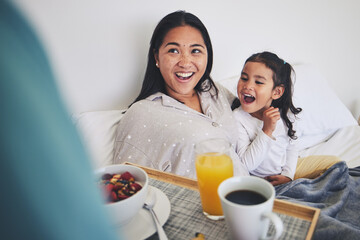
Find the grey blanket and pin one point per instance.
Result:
(337, 194)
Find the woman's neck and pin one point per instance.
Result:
(194, 103)
(191, 100)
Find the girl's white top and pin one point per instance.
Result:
(263, 155)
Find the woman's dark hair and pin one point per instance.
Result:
(153, 80)
(282, 72)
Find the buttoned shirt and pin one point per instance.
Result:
(263, 155)
(161, 132)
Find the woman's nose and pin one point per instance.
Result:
(185, 60)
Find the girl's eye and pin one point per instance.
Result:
(243, 79)
(196, 51)
(258, 82)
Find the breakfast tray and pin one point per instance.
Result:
(186, 216)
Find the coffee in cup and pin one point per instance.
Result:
(247, 204)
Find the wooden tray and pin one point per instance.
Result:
(280, 206)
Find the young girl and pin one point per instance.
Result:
(266, 145)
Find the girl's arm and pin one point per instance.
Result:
(291, 161)
(288, 170)
(270, 118)
(278, 179)
(252, 152)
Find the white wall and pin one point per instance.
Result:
(98, 48)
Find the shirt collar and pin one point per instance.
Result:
(168, 101)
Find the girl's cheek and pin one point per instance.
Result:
(239, 87)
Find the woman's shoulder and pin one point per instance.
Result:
(136, 111)
(144, 104)
(136, 107)
(223, 89)
(224, 93)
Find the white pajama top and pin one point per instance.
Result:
(161, 132)
(263, 155)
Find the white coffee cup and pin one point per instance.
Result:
(249, 221)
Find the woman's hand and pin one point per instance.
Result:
(270, 118)
(277, 179)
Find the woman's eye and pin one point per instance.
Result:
(243, 79)
(196, 51)
(173, 50)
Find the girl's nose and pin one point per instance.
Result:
(248, 86)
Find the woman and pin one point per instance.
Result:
(179, 104)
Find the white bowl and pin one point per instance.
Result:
(123, 211)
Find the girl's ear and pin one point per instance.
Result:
(278, 92)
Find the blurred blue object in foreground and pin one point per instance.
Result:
(47, 187)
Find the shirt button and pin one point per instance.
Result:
(215, 124)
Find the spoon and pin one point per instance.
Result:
(149, 204)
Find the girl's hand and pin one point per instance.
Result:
(270, 118)
(277, 179)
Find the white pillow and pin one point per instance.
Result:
(323, 113)
(230, 83)
(97, 130)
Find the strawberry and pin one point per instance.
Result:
(135, 187)
(127, 176)
(108, 189)
(113, 197)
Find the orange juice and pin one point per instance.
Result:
(211, 170)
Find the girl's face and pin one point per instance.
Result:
(182, 60)
(256, 88)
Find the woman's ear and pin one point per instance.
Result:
(278, 92)
(156, 56)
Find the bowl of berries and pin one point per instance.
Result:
(125, 188)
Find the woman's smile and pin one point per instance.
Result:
(183, 76)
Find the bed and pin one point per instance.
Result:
(325, 127)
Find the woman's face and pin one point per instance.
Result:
(182, 60)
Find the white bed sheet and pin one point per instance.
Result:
(345, 144)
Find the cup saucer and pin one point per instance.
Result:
(144, 221)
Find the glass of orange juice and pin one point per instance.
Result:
(213, 165)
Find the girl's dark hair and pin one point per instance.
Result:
(282, 72)
(153, 80)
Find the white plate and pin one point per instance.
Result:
(142, 225)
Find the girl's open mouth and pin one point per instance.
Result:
(248, 98)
